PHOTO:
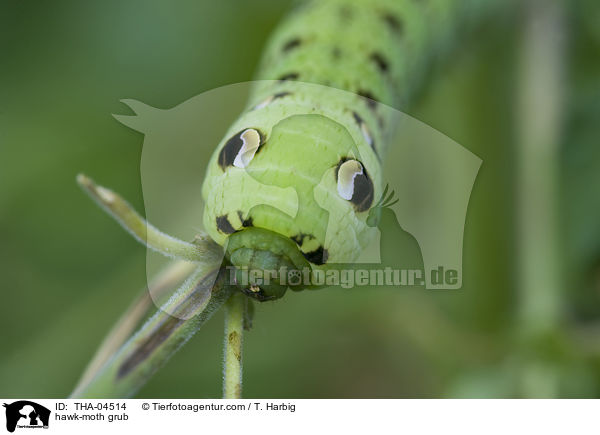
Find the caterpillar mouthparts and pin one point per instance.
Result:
(263, 260)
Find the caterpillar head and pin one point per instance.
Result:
(279, 196)
(263, 261)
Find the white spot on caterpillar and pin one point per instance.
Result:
(269, 100)
(347, 172)
(366, 134)
(263, 103)
(251, 142)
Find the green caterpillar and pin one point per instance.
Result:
(322, 146)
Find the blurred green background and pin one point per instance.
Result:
(68, 271)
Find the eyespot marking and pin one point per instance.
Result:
(289, 76)
(346, 172)
(291, 44)
(224, 226)
(380, 61)
(336, 52)
(240, 149)
(363, 193)
(318, 256)
(354, 184)
(270, 99)
(251, 141)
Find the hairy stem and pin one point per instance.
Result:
(168, 279)
(203, 293)
(232, 365)
(120, 373)
(202, 249)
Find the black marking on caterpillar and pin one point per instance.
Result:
(281, 95)
(364, 192)
(224, 226)
(369, 98)
(259, 294)
(233, 146)
(381, 62)
(299, 238)
(270, 99)
(318, 256)
(358, 119)
(337, 168)
(336, 52)
(245, 222)
(230, 150)
(365, 132)
(291, 44)
(393, 22)
(362, 198)
(289, 76)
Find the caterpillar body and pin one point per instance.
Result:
(295, 181)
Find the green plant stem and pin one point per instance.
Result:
(203, 293)
(232, 365)
(202, 249)
(539, 130)
(168, 279)
(120, 373)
